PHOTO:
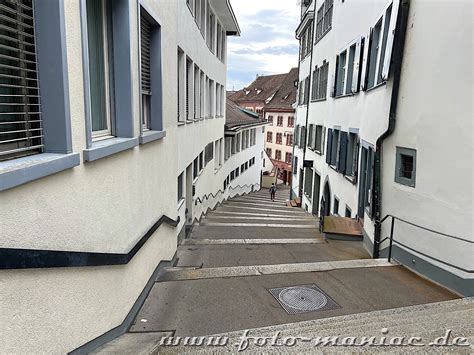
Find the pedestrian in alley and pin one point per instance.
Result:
(273, 191)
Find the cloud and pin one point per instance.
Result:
(267, 44)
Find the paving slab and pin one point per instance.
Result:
(210, 306)
(133, 343)
(266, 254)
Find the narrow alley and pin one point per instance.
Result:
(249, 251)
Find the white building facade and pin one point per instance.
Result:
(372, 112)
(108, 108)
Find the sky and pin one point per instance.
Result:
(267, 44)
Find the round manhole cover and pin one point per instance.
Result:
(302, 298)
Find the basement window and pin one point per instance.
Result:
(405, 168)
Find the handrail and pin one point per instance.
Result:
(12, 258)
(207, 196)
(392, 240)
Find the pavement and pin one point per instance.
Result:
(250, 245)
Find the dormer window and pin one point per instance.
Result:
(259, 91)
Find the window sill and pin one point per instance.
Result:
(189, 121)
(150, 136)
(20, 171)
(318, 152)
(319, 100)
(322, 35)
(351, 179)
(105, 148)
(180, 203)
(383, 83)
(343, 95)
(181, 123)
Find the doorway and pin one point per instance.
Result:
(316, 190)
(326, 200)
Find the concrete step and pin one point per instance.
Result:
(249, 218)
(180, 273)
(221, 213)
(265, 224)
(252, 241)
(256, 199)
(272, 205)
(247, 208)
(253, 232)
(427, 321)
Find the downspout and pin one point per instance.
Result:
(398, 51)
(309, 93)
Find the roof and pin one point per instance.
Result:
(260, 90)
(273, 91)
(237, 117)
(226, 14)
(286, 94)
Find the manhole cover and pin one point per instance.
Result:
(303, 299)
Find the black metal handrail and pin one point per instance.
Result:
(392, 240)
(214, 195)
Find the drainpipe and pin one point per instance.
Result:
(398, 49)
(309, 88)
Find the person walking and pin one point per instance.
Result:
(273, 192)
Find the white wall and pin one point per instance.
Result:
(101, 206)
(435, 117)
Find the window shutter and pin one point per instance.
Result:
(20, 113)
(313, 143)
(366, 62)
(356, 161)
(146, 30)
(329, 145)
(357, 63)
(323, 139)
(391, 35)
(334, 78)
(341, 164)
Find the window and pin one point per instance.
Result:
(335, 147)
(340, 73)
(288, 158)
(202, 91)
(189, 85)
(278, 155)
(197, 93)
(203, 17)
(180, 187)
(269, 137)
(306, 90)
(302, 137)
(366, 183)
(180, 82)
(270, 120)
(269, 152)
(232, 175)
(324, 19)
(308, 183)
(319, 143)
(295, 165)
(374, 47)
(100, 63)
(291, 121)
(280, 121)
(195, 168)
(314, 85)
(289, 139)
(21, 130)
(311, 136)
(405, 168)
(350, 69)
(352, 155)
(336, 206)
(237, 142)
(209, 152)
(237, 172)
(242, 168)
(201, 161)
(279, 138)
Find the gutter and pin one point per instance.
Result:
(398, 51)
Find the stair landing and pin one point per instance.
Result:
(342, 228)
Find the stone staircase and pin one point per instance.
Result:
(449, 323)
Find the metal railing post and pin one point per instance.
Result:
(391, 239)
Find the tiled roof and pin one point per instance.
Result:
(286, 94)
(274, 91)
(260, 90)
(237, 116)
